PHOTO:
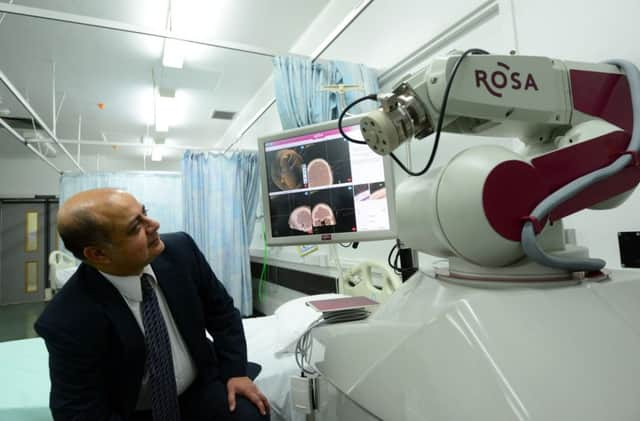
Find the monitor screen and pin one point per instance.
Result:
(318, 187)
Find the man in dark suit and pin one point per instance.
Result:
(126, 335)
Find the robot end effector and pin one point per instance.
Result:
(402, 116)
(516, 96)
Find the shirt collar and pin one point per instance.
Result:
(129, 286)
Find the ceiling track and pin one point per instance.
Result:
(36, 117)
(111, 25)
(334, 35)
(122, 27)
(22, 140)
(121, 144)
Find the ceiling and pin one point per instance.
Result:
(93, 66)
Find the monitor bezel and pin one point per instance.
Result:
(358, 236)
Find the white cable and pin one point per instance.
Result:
(334, 252)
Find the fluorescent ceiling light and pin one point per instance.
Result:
(165, 108)
(156, 153)
(147, 141)
(172, 54)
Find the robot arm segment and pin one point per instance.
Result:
(527, 97)
(566, 192)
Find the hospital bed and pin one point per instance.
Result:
(61, 267)
(24, 372)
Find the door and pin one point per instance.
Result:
(22, 252)
(53, 238)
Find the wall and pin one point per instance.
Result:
(387, 32)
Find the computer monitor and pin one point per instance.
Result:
(317, 187)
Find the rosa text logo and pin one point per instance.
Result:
(498, 80)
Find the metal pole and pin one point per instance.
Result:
(34, 12)
(348, 20)
(53, 96)
(64, 96)
(79, 136)
(25, 143)
(120, 144)
(31, 111)
(255, 118)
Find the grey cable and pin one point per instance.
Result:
(529, 243)
(304, 346)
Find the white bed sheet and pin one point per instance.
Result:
(274, 379)
(24, 374)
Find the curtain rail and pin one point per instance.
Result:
(17, 136)
(36, 117)
(347, 21)
(45, 14)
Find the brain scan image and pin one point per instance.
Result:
(300, 219)
(319, 173)
(322, 215)
(286, 170)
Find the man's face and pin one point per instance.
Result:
(134, 237)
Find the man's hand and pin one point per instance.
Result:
(245, 387)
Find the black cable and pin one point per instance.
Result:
(393, 261)
(441, 116)
(397, 268)
(344, 112)
(347, 245)
(390, 254)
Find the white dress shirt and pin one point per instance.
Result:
(183, 365)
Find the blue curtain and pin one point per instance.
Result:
(220, 201)
(299, 84)
(160, 192)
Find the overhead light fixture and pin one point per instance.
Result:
(165, 108)
(156, 153)
(147, 141)
(172, 55)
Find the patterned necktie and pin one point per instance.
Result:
(164, 394)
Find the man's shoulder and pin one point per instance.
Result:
(72, 300)
(177, 238)
(178, 244)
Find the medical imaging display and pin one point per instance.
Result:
(308, 165)
(285, 169)
(313, 212)
(319, 183)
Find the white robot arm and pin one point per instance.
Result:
(580, 127)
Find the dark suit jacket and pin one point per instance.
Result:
(96, 348)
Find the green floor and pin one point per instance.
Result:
(16, 320)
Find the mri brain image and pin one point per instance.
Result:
(322, 215)
(319, 173)
(286, 170)
(300, 219)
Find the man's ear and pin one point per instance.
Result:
(95, 255)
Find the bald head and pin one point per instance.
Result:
(85, 219)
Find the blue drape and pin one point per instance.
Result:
(299, 84)
(160, 192)
(220, 201)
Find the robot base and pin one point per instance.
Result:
(524, 273)
(442, 351)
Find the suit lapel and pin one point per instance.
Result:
(171, 281)
(125, 326)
